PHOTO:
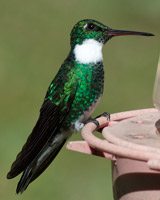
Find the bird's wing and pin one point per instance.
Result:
(51, 116)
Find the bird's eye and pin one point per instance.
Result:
(91, 27)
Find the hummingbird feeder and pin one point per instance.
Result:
(131, 140)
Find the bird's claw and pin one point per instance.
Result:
(93, 121)
(96, 122)
(105, 114)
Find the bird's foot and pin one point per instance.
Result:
(95, 121)
(105, 114)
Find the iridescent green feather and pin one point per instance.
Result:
(86, 81)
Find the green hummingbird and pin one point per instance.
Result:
(70, 100)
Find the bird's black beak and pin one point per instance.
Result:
(112, 32)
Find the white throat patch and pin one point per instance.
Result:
(90, 51)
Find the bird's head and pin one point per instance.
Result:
(88, 37)
(92, 29)
(88, 29)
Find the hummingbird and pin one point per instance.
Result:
(70, 100)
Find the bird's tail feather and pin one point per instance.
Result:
(32, 171)
(24, 181)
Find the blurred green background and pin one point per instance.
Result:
(34, 41)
